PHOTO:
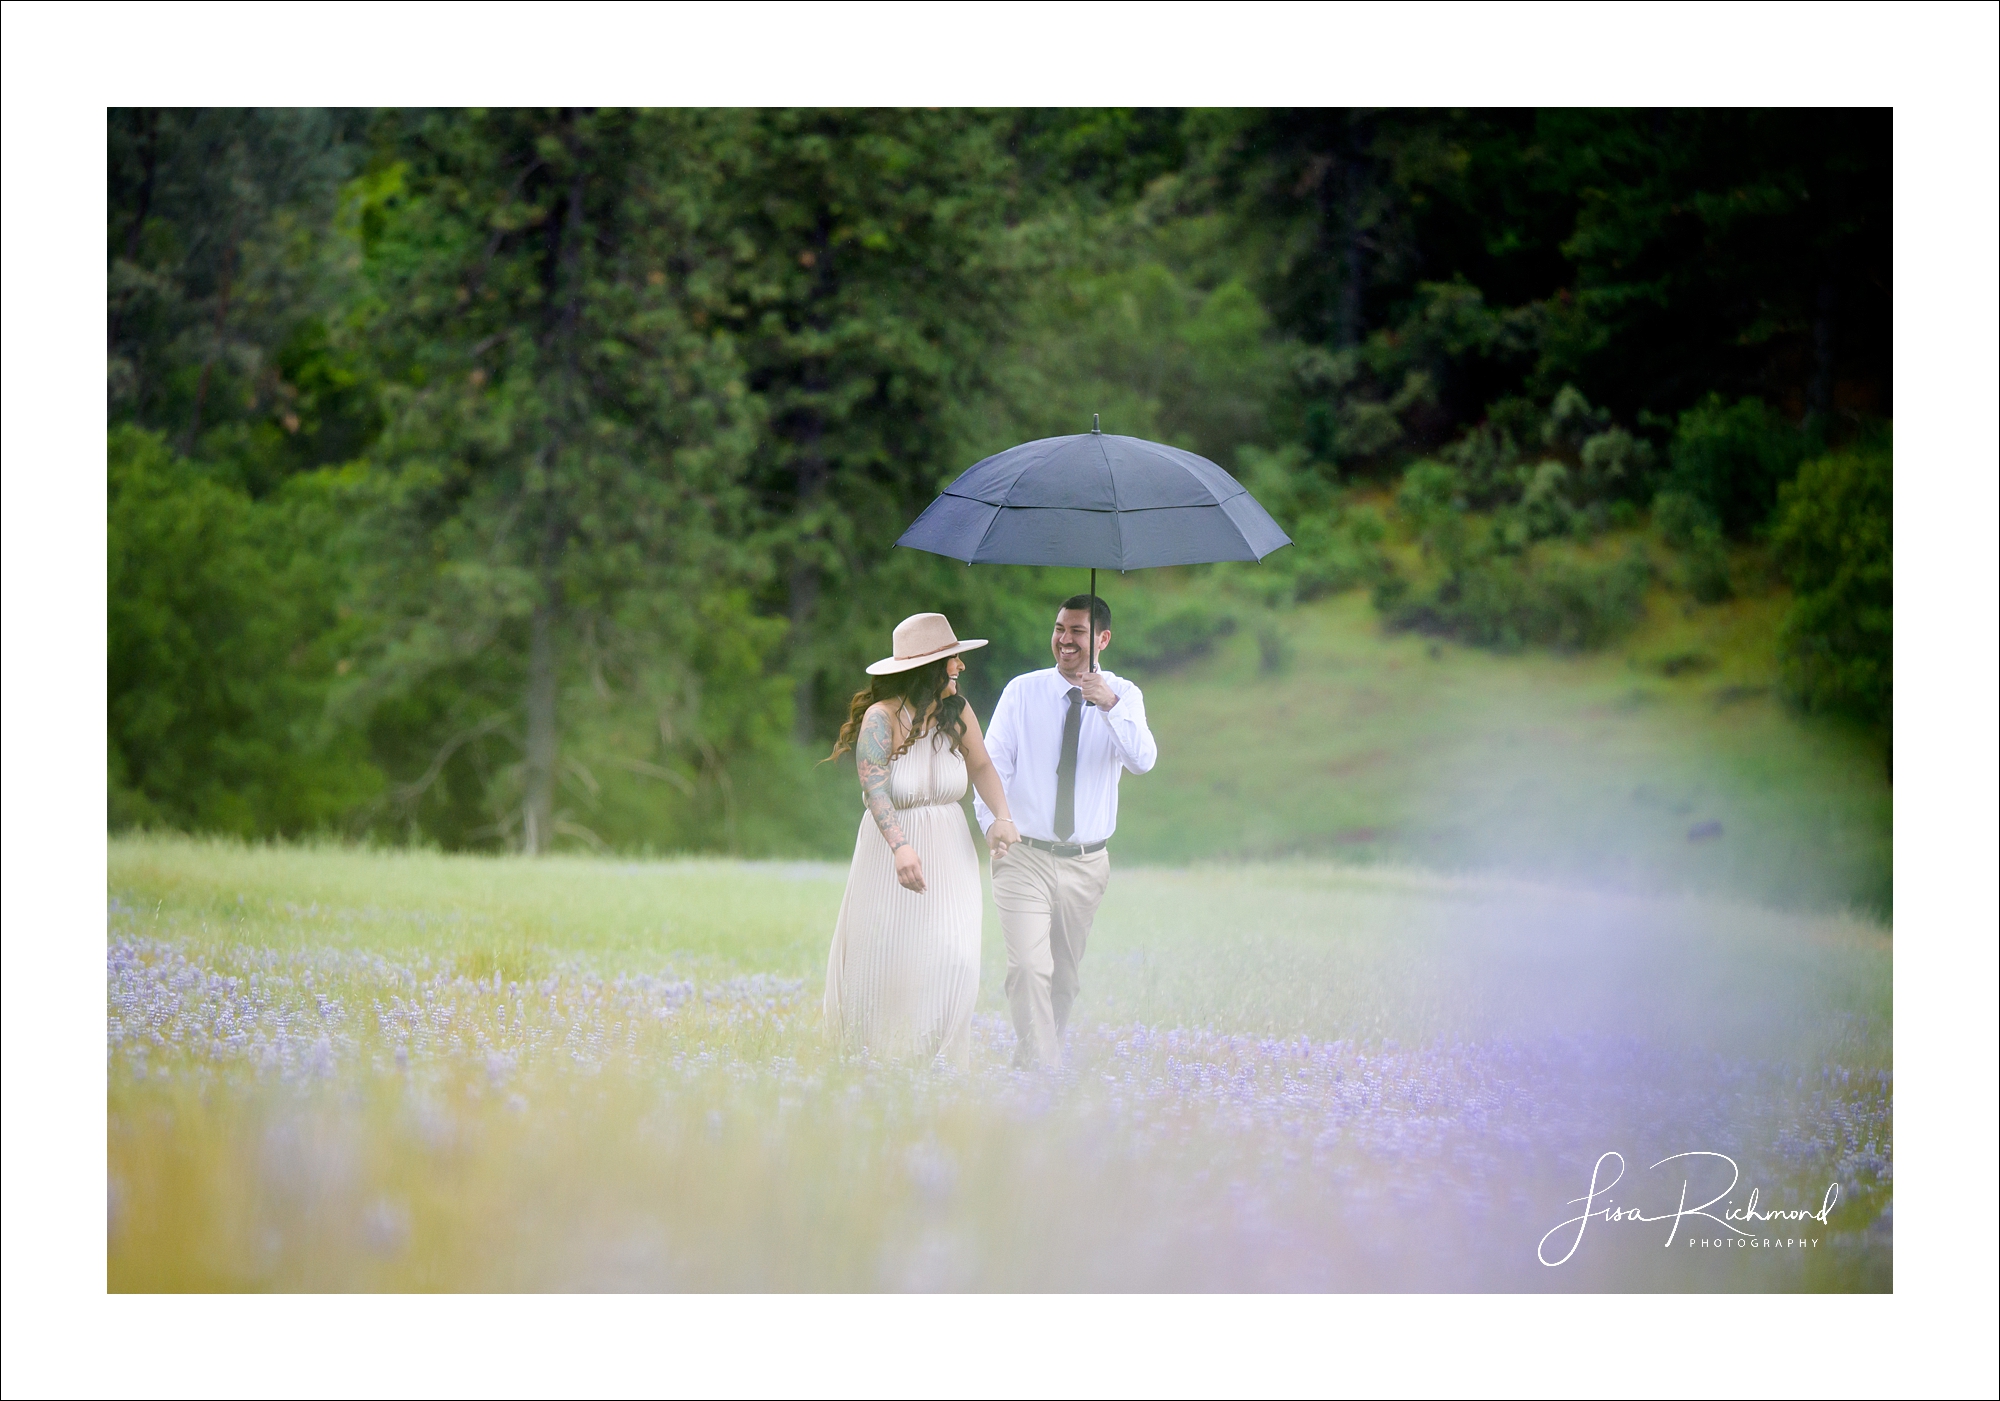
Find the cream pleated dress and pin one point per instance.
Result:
(904, 970)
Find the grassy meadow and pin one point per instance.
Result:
(341, 1069)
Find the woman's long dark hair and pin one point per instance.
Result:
(922, 688)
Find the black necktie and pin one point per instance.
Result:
(1066, 767)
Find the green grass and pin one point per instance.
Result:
(477, 1073)
(478, 915)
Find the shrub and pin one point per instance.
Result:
(1731, 459)
(1611, 464)
(1616, 466)
(1494, 599)
(1333, 552)
(1680, 517)
(1186, 634)
(1274, 649)
(1687, 524)
(1705, 570)
(1545, 505)
(1335, 546)
(1486, 462)
(1833, 540)
(1431, 503)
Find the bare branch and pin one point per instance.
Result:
(408, 793)
(566, 828)
(574, 768)
(646, 770)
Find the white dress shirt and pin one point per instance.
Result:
(1025, 740)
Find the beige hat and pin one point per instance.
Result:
(920, 639)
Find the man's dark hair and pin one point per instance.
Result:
(1100, 611)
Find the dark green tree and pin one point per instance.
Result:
(1722, 250)
(1834, 538)
(1647, 258)
(231, 379)
(231, 291)
(224, 633)
(566, 425)
(867, 288)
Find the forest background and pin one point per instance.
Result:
(525, 479)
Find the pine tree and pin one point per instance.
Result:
(564, 436)
(868, 287)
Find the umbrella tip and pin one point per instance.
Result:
(1093, 424)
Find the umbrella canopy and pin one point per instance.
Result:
(1096, 501)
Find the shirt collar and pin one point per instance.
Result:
(1062, 683)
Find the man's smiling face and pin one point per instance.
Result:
(1071, 642)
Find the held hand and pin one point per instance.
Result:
(909, 870)
(1097, 690)
(1002, 836)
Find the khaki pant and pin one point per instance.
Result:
(1046, 906)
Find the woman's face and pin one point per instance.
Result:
(952, 667)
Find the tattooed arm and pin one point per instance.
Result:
(871, 760)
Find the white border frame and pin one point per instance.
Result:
(1935, 64)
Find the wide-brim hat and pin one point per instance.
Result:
(920, 639)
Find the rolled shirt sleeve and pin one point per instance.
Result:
(1130, 734)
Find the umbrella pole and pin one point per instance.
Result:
(1091, 613)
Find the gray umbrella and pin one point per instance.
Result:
(1098, 501)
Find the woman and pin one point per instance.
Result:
(904, 969)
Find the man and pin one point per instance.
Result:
(1060, 739)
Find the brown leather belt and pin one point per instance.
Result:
(1064, 848)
